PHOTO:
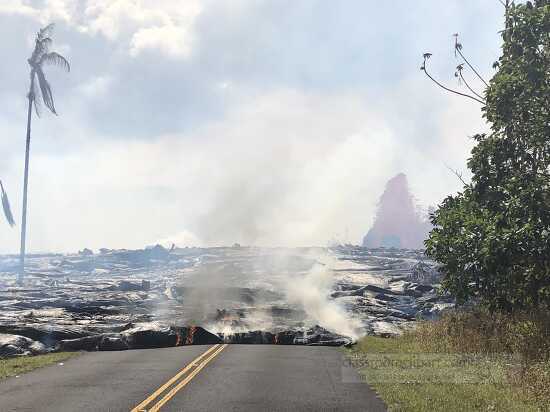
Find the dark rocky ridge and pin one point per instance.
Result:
(121, 300)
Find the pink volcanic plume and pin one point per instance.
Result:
(398, 222)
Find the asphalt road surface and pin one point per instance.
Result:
(195, 378)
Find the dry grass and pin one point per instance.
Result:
(514, 349)
(523, 336)
(534, 379)
(477, 331)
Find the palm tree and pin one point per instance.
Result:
(39, 92)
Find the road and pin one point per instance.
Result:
(194, 378)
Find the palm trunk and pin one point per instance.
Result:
(25, 184)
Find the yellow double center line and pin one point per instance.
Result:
(182, 378)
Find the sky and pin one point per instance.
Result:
(210, 122)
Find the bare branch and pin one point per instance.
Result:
(457, 174)
(458, 49)
(461, 76)
(423, 68)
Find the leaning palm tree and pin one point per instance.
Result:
(39, 92)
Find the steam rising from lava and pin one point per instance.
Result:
(264, 289)
(311, 291)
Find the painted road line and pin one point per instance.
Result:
(184, 382)
(142, 406)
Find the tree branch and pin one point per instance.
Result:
(423, 68)
(458, 48)
(468, 86)
(459, 175)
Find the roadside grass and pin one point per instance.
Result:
(19, 365)
(462, 362)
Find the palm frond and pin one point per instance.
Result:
(45, 44)
(42, 44)
(36, 98)
(56, 59)
(41, 91)
(6, 206)
(40, 49)
(45, 89)
(45, 31)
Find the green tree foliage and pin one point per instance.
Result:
(493, 238)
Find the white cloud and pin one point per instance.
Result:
(56, 10)
(174, 41)
(96, 87)
(163, 25)
(20, 7)
(51, 10)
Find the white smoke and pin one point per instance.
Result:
(180, 239)
(311, 291)
(237, 290)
